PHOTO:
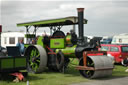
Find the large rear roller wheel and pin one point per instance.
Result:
(56, 62)
(37, 58)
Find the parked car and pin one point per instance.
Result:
(106, 41)
(119, 52)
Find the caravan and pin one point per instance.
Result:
(120, 39)
(11, 38)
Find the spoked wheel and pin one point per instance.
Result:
(34, 59)
(37, 58)
(87, 73)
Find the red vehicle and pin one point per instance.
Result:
(119, 52)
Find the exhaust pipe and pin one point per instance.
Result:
(80, 26)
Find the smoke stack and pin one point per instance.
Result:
(80, 26)
(0, 28)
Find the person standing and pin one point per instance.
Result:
(20, 44)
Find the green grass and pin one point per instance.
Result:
(119, 71)
(70, 76)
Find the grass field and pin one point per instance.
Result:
(70, 76)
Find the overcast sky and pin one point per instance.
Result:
(105, 17)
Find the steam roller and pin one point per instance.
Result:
(55, 50)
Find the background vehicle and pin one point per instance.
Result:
(119, 52)
(11, 38)
(120, 39)
(106, 41)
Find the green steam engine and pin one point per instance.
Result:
(55, 50)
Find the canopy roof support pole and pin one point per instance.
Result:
(74, 26)
(51, 30)
(27, 31)
(34, 32)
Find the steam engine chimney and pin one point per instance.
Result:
(80, 26)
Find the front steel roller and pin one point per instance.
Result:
(102, 67)
(37, 58)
